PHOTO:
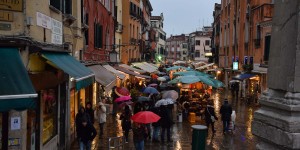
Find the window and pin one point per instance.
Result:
(197, 42)
(207, 42)
(267, 48)
(197, 54)
(55, 4)
(68, 6)
(258, 32)
(184, 45)
(98, 36)
(49, 111)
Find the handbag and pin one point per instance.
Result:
(213, 119)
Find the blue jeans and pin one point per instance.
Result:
(162, 135)
(85, 146)
(155, 132)
(139, 145)
(226, 125)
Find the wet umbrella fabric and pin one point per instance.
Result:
(127, 103)
(145, 117)
(123, 98)
(143, 99)
(164, 102)
(170, 94)
(122, 91)
(161, 79)
(152, 85)
(150, 90)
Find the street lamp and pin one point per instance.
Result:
(113, 55)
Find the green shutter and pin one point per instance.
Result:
(96, 35)
(100, 36)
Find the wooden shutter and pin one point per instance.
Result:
(100, 35)
(96, 35)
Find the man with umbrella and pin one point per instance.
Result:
(166, 123)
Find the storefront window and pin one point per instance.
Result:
(1, 131)
(49, 111)
(73, 110)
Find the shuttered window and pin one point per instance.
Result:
(55, 4)
(98, 36)
(68, 6)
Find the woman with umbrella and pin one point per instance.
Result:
(166, 123)
(126, 123)
(139, 131)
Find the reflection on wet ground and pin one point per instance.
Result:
(240, 139)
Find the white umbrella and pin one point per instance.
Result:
(164, 102)
(170, 94)
(161, 79)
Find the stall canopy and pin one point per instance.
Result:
(151, 65)
(205, 66)
(16, 89)
(104, 77)
(243, 76)
(132, 69)
(132, 73)
(145, 67)
(82, 75)
(116, 72)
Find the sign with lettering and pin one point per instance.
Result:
(56, 39)
(43, 20)
(12, 5)
(5, 26)
(56, 27)
(6, 16)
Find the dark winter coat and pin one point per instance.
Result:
(126, 122)
(226, 111)
(209, 111)
(78, 120)
(156, 111)
(87, 133)
(165, 120)
(90, 112)
(139, 133)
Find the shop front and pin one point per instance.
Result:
(68, 95)
(121, 77)
(18, 100)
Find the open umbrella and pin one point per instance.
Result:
(161, 79)
(123, 98)
(185, 79)
(164, 102)
(145, 117)
(210, 81)
(152, 85)
(143, 99)
(170, 94)
(150, 90)
(121, 91)
(167, 77)
(195, 73)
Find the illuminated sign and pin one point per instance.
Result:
(235, 66)
(208, 54)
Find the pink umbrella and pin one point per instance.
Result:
(153, 85)
(125, 103)
(123, 98)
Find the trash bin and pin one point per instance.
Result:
(199, 137)
(179, 117)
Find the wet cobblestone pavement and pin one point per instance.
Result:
(240, 139)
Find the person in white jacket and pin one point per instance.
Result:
(101, 116)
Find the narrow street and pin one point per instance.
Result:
(241, 138)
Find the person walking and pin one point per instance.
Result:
(86, 134)
(166, 123)
(101, 116)
(155, 125)
(139, 132)
(225, 112)
(90, 111)
(126, 122)
(210, 116)
(78, 119)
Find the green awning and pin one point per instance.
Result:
(16, 89)
(82, 75)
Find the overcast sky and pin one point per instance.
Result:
(184, 16)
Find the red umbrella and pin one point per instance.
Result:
(123, 98)
(121, 91)
(145, 117)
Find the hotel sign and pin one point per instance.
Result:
(12, 5)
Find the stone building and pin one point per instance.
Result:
(175, 46)
(157, 23)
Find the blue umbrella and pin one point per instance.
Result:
(150, 90)
(195, 73)
(143, 99)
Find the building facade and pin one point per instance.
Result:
(215, 41)
(245, 38)
(119, 28)
(175, 45)
(146, 31)
(157, 23)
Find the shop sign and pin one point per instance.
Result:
(6, 16)
(14, 142)
(235, 66)
(15, 123)
(43, 20)
(12, 5)
(56, 39)
(5, 26)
